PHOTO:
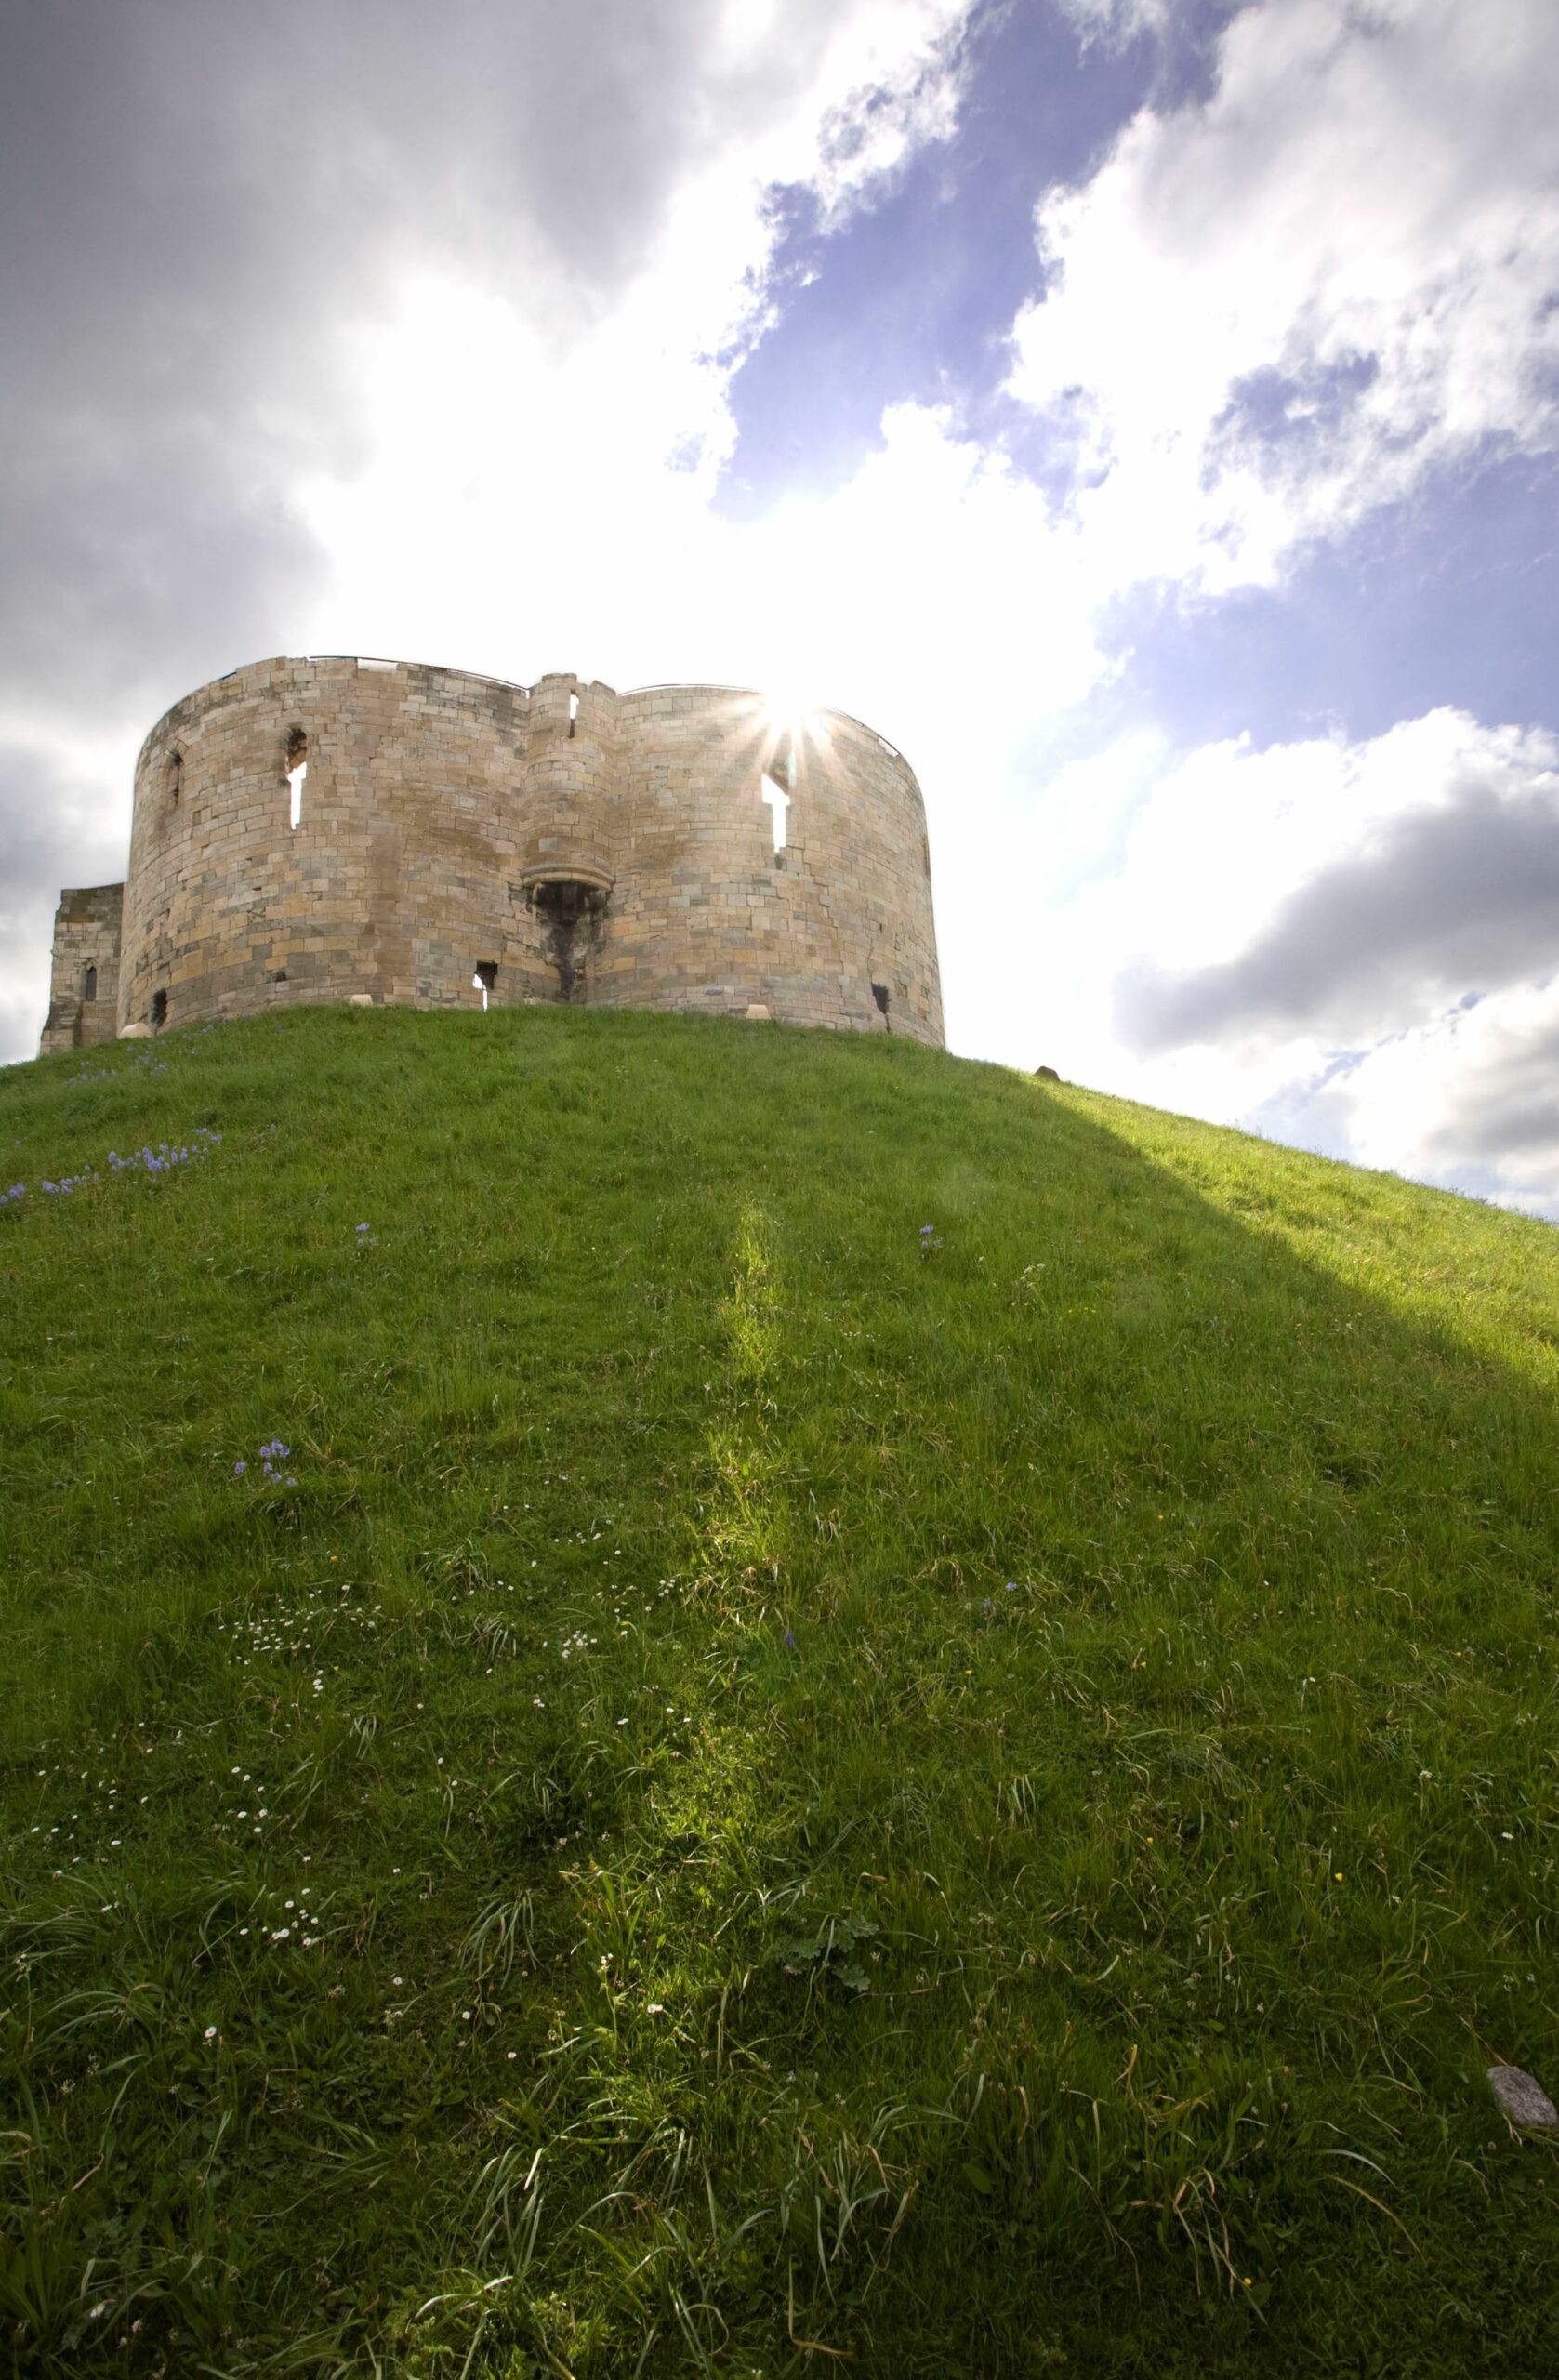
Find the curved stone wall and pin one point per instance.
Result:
(560, 841)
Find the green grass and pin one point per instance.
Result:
(761, 1798)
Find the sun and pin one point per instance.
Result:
(791, 715)
(791, 726)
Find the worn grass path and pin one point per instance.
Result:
(764, 1790)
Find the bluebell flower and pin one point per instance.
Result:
(238, 1468)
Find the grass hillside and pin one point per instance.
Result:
(684, 1698)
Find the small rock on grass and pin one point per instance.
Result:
(1046, 1074)
(1523, 2099)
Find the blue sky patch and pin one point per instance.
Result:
(913, 297)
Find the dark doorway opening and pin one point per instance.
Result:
(90, 988)
(159, 1008)
(567, 906)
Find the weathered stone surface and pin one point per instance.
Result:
(556, 842)
(1523, 2099)
(84, 985)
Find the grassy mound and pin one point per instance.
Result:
(685, 1698)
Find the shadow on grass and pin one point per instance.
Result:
(1152, 1635)
(1043, 1883)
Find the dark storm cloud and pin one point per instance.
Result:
(1511, 1111)
(44, 811)
(1460, 897)
(52, 832)
(203, 203)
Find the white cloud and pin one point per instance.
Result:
(1259, 897)
(1368, 191)
(51, 802)
(920, 596)
(1233, 843)
(1116, 22)
(1469, 1098)
(895, 71)
(528, 479)
(412, 355)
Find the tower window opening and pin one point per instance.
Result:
(174, 778)
(486, 980)
(779, 780)
(90, 986)
(159, 1009)
(572, 711)
(298, 769)
(880, 994)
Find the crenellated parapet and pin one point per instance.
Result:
(337, 827)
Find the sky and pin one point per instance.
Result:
(1145, 412)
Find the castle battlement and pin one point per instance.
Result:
(347, 828)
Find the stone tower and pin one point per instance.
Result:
(338, 828)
